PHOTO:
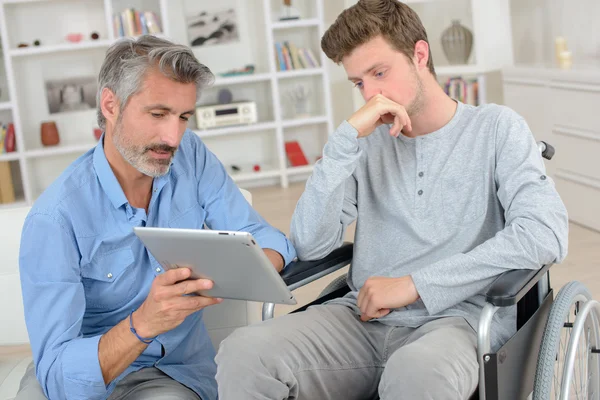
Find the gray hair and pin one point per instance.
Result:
(128, 60)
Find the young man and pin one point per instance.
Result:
(104, 319)
(446, 197)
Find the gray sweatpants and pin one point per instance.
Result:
(147, 383)
(327, 352)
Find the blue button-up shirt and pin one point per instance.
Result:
(83, 270)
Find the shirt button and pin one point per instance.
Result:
(109, 276)
(420, 192)
(421, 174)
(157, 269)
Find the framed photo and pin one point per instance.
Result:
(73, 94)
(208, 28)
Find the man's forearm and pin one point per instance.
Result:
(275, 258)
(117, 349)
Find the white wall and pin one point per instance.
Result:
(536, 23)
(342, 90)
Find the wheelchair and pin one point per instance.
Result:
(554, 353)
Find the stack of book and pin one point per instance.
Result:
(288, 57)
(132, 22)
(463, 90)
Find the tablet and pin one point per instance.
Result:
(234, 262)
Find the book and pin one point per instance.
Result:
(295, 154)
(7, 191)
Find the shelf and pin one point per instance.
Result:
(59, 150)
(7, 105)
(300, 72)
(235, 129)
(306, 169)
(250, 176)
(422, 1)
(83, 45)
(456, 70)
(22, 1)
(16, 204)
(297, 23)
(290, 123)
(9, 156)
(234, 80)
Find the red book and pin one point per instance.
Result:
(295, 154)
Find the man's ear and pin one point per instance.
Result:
(421, 56)
(109, 104)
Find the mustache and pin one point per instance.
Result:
(160, 147)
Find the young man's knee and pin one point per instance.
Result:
(245, 344)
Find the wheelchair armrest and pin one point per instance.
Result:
(512, 285)
(300, 273)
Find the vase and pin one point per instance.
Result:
(457, 43)
(49, 133)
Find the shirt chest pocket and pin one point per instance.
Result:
(109, 280)
(192, 217)
(464, 197)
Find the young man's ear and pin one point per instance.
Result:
(421, 56)
(109, 104)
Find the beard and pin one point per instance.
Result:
(139, 156)
(418, 103)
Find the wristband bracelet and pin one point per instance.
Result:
(132, 329)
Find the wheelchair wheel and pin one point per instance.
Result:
(335, 284)
(563, 340)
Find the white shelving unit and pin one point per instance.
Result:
(490, 23)
(28, 69)
(269, 135)
(34, 166)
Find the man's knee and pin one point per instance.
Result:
(30, 388)
(245, 345)
(431, 371)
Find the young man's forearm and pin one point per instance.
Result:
(327, 205)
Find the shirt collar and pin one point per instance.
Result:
(107, 177)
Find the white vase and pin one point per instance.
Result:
(457, 43)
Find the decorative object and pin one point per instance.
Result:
(21, 45)
(457, 43)
(225, 96)
(288, 12)
(247, 70)
(299, 97)
(212, 28)
(256, 168)
(73, 94)
(97, 133)
(561, 50)
(295, 154)
(564, 60)
(75, 37)
(95, 36)
(10, 144)
(49, 133)
(37, 43)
